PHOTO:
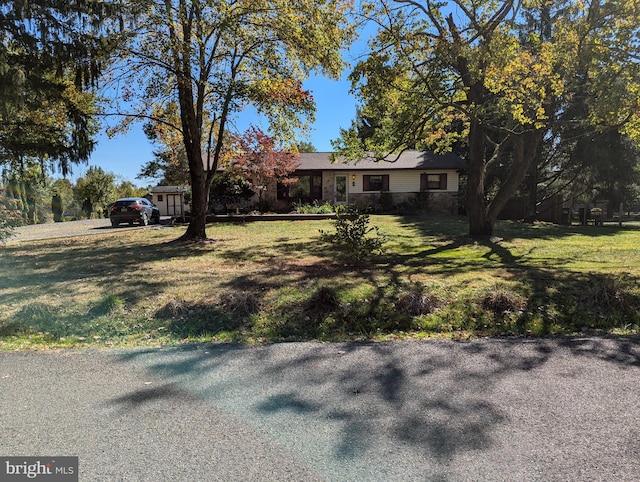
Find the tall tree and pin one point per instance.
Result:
(62, 191)
(610, 168)
(213, 58)
(49, 50)
(587, 142)
(439, 74)
(55, 130)
(169, 164)
(94, 189)
(28, 186)
(258, 159)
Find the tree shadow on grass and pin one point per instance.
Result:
(443, 226)
(313, 272)
(54, 270)
(558, 297)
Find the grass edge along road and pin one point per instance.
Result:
(280, 281)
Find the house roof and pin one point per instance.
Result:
(422, 160)
(169, 189)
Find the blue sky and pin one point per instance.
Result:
(124, 155)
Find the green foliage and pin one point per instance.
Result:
(604, 166)
(214, 59)
(49, 52)
(30, 191)
(169, 164)
(494, 80)
(127, 189)
(358, 240)
(272, 281)
(57, 208)
(9, 217)
(314, 208)
(229, 188)
(95, 190)
(56, 133)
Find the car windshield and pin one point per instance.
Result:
(126, 202)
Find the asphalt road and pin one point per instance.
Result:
(497, 410)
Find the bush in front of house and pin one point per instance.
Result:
(314, 208)
(358, 240)
(227, 189)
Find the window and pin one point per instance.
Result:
(375, 182)
(430, 182)
(160, 198)
(308, 188)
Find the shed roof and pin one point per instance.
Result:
(169, 189)
(421, 160)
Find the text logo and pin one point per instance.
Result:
(49, 469)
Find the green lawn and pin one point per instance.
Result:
(272, 281)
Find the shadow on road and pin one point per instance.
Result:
(435, 401)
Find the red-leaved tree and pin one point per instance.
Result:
(259, 160)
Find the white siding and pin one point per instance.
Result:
(402, 181)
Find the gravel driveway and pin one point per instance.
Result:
(564, 409)
(67, 229)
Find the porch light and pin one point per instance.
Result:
(353, 177)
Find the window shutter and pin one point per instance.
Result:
(443, 182)
(423, 182)
(385, 182)
(365, 183)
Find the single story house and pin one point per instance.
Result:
(170, 200)
(407, 177)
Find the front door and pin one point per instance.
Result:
(341, 189)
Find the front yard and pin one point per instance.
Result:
(277, 281)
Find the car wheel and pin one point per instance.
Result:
(115, 224)
(144, 220)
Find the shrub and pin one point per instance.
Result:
(313, 208)
(415, 301)
(322, 301)
(610, 292)
(354, 235)
(421, 201)
(9, 219)
(174, 308)
(501, 301)
(227, 189)
(240, 303)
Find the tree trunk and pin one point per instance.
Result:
(532, 190)
(196, 231)
(480, 223)
(483, 214)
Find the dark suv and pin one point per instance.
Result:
(133, 210)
